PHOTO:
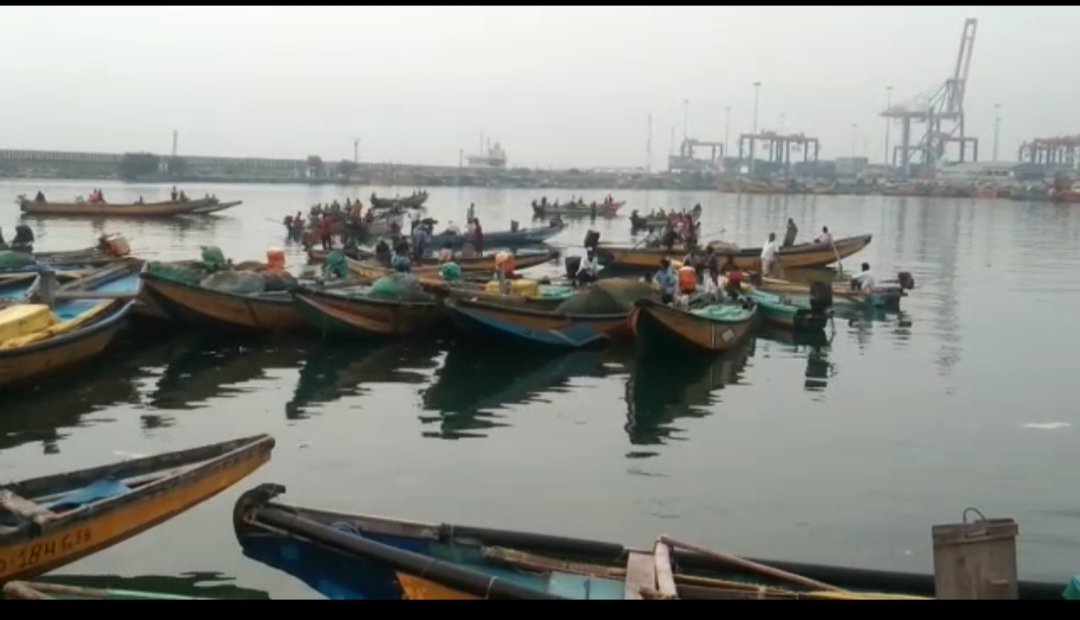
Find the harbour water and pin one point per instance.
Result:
(844, 452)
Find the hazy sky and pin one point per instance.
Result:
(558, 86)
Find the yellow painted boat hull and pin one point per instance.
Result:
(63, 538)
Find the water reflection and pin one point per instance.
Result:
(476, 381)
(336, 370)
(209, 367)
(661, 390)
(197, 585)
(41, 411)
(815, 345)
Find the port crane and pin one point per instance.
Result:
(941, 111)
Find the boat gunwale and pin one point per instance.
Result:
(281, 298)
(652, 304)
(307, 291)
(525, 310)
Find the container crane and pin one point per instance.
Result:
(941, 110)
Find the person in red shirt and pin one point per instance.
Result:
(324, 233)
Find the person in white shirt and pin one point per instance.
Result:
(864, 282)
(769, 263)
(825, 236)
(588, 269)
(452, 229)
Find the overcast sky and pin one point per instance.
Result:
(557, 86)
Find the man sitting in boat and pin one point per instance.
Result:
(40, 197)
(666, 281)
(825, 236)
(864, 281)
(589, 269)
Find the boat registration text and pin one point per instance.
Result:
(43, 550)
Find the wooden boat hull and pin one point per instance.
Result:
(20, 365)
(431, 265)
(659, 328)
(537, 327)
(216, 207)
(885, 297)
(371, 270)
(602, 210)
(804, 256)
(469, 290)
(53, 540)
(158, 209)
(352, 556)
(205, 307)
(506, 239)
(357, 317)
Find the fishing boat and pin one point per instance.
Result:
(789, 311)
(108, 209)
(885, 295)
(521, 291)
(31, 591)
(372, 270)
(198, 305)
(505, 239)
(805, 255)
(408, 202)
(216, 207)
(351, 313)
(577, 209)
(660, 328)
(49, 522)
(589, 324)
(523, 259)
(354, 556)
(83, 321)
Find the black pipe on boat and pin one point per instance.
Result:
(445, 573)
(526, 541)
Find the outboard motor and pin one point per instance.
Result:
(571, 264)
(821, 297)
(592, 239)
(905, 279)
(23, 235)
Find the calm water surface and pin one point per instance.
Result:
(844, 452)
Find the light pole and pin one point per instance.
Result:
(685, 118)
(753, 132)
(997, 128)
(727, 128)
(888, 104)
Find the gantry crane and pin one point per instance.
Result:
(941, 110)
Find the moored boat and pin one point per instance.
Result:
(789, 311)
(355, 556)
(577, 209)
(55, 520)
(372, 270)
(86, 315)
(505, 239)
(108, 209)
(198, 305)
(523, 259)
(660, 328)
(414, 201)
(886, 294)
(804, 255)
(352, 313)
(593, 317)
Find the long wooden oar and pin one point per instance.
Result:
(753, 566)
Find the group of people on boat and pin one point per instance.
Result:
(177, 196)
(96, 197)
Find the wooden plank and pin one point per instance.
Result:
(640, 573)
(665, 579)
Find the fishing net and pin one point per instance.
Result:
(336, 266)
(11, 260)
(614, 296)
(450, 272)
(399, 287)
(236, 282)
(213, 258)
(175, 273)
(274, 281)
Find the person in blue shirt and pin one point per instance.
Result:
(666, 281)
